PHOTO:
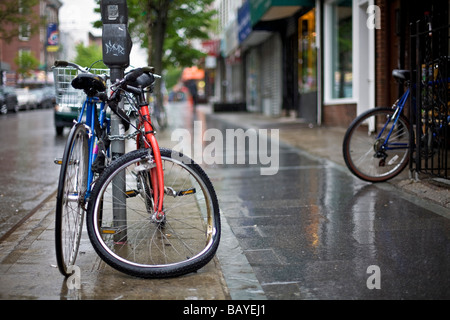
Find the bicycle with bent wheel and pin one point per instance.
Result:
(153, 212)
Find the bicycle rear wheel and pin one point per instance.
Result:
(159, 116)
(70, 198)
(364, 149)
(127, 236)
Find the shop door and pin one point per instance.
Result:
(307, 66)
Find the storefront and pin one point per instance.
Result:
(348, 60)
(268, 39)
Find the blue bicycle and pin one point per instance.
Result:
(86, 153)
(377, 144)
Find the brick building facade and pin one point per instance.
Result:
(36, 43)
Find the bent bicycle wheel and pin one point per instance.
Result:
(366, 153)
(124, 230)
(70, 198)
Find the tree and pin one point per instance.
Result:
(86, 56)
(167, 29)
(15, 17)
(26, 61)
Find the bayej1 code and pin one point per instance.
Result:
(231, 310)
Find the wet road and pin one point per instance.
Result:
(311, 231)
(28, 146)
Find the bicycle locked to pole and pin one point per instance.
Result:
(169, 220)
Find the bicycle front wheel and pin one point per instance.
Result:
(72, 188)
(374, 148)
(124, 231)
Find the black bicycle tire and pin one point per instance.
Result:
(159, 271)
(60, 259)
(159, 116)
(346, 146)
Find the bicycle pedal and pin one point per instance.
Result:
(131, 193)
(186, 192)
(58, 161)
(111, 230)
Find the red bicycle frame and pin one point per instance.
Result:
(156, 173)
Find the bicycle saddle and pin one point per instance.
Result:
(90, 83)
(401, 74)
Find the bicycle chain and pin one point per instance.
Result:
(123, 137)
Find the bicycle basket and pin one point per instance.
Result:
(66, 95)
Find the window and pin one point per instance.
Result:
(24, 27)
(307, 53)
(339, 49)
(24, 31)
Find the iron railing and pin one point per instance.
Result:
(430, 86)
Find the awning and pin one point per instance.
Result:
(267, 10)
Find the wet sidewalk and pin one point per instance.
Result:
(28, 271)
(326, 142)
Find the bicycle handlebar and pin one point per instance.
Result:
(64, 64)
(124, 84)
(133, 75)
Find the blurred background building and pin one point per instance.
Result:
(324, 61)
(42, 45)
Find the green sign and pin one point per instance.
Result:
(259, 8)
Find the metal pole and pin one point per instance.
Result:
(118, 183)
(116, 43)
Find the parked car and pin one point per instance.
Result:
(26, 98)
(45, 97)
(8, 100)
(67, 109)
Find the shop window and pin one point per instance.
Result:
(307, 67)
(339, 49)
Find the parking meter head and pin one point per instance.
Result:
(114, 11)
(116, 39)
(116, 45)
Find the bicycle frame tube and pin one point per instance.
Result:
(400, 105)
(90, 106)
(157, 173)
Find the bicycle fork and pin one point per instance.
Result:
(156, 173)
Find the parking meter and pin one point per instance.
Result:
(116, 40)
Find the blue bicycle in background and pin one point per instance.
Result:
(378, 143)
